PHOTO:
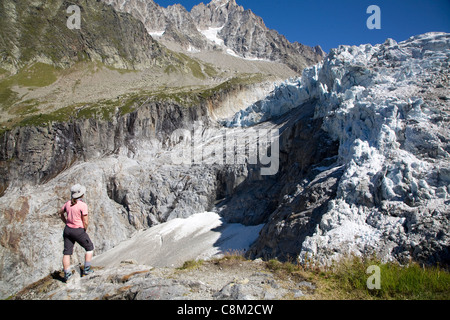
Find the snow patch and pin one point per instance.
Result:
(157, 34)
(200, 236)
(211, 35)
(193, 49)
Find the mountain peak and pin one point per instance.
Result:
(227, 4)
(220, 25)
(223, 2)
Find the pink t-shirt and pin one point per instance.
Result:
(74, 213)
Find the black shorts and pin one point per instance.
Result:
(78, 235)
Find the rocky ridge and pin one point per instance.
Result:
(219, 25)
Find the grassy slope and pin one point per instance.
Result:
(347, 279)
(28, 112)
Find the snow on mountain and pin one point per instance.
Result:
(200, 236)
(211, 35)
(220, 25)
(388, 107)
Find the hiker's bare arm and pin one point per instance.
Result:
(85, 221)
(62, 216)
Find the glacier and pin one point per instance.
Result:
(388, 107)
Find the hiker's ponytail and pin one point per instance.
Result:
(73, 202)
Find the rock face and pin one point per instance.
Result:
(292, 202)
(38, 32)
(247, 36)
(173, 23)
(47, 151)
(220, 25)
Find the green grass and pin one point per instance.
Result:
(7, 96)
(210, 70)
(348, 278)
(191, 264)
(410, 282)
(26, 107)
(60, 115)
(35, 75)
(189, 97)
(170, 69)
(235, 82)
(28, 113)
(182, 63)
(3, 71)
(282, 268)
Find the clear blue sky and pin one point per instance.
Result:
(330, 23)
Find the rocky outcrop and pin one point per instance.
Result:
(173, 24)
(39, 32)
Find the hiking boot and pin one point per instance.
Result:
(67, 276)
(87, 271)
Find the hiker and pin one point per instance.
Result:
(77, 222)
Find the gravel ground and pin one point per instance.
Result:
(219, 279)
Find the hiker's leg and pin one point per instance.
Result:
(88, 256)
(87, 263)
(87, 244)
(68, 248)
(66, 262)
